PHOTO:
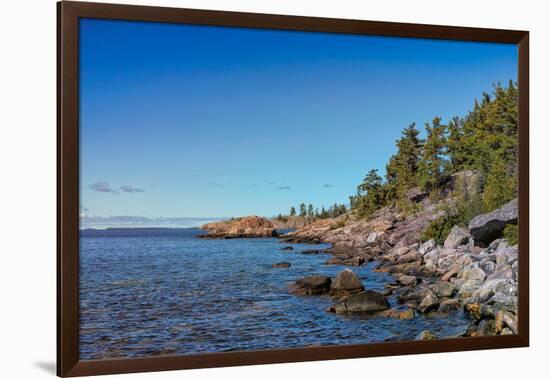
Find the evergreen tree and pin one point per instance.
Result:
(499, 188)
(303, 210)
(293, 211)
(431, 168)
(409, 148)
(370, 194)
(310, 211)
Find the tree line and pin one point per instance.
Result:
(485, 140)
(322, 213)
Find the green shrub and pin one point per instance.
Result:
(460, 213)
(440, 228)
(339, 224)
(511, 234)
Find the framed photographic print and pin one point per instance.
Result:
(239, 188)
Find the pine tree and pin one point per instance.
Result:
(310, 211)
(370, 194)
(431, 168)
(292, 211)
(499, 187)
(303, 210)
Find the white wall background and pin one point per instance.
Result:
(28, 169)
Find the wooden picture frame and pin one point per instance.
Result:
(69, 13)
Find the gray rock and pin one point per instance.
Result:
(469, 288)
(506, 319)
(505, 288)
(311, 285)
(458, 236)
(346, 282)
(429, 303)
(449, 305)
(406, 280)
(505, 254)
(473, 272)
(408, 257)
(502, 272)
(426, 335)
(416, 194)
(487, 227)
(486, 327)
(506, 331)
(444, 289)
(426, 247)
(488, 266)
(366, 301)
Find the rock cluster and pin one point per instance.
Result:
(474, 271)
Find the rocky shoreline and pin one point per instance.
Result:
(474, 271)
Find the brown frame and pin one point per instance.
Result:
(68, 13)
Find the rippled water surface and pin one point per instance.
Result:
(149, 292)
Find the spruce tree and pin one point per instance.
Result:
(431, 168)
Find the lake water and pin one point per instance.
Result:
(147, 292)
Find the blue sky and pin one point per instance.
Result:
(199, 121)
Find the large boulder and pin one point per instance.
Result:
(487, 227)
(346, 282)
(366, 301)
(246, 227)
(311, 285)
(458, 236)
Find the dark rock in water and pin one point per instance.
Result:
(366, 301)
(281, 265)
(354, 261)
(396, 313)
(426, 335)
(411, 295)
(458, 236)
(311, 285)
(313, 251)
(287, 248)
(345, 283)
(449, 305)
(487, 227)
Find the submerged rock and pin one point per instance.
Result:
(311, 285)
(426, 335)
(281, 265)
(366, 301)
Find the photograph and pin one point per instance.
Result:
(246, 189)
